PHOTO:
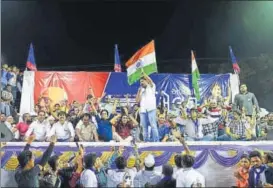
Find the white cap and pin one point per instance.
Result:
(149, 161)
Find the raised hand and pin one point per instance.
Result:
(142, 72)
(30, 139)
(115, 100)
(120, 150)
(53, 139)
(81, 150)
(126, 111)
(176, 134)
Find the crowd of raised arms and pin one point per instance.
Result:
(87, 170)
(104, 119)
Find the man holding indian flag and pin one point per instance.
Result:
(142, 64)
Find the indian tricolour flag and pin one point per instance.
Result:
(195, 76)
(144, 59)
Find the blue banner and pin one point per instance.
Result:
(175, 87)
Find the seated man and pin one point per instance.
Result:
(40, 128)
(6, 100)
(163, 128)
(236, 129)
(62, 129)
(22, 127)
(55, 110)
(212, 109)
(6, 134)
(194, 126)
(86, 131)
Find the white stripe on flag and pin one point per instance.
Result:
(145, 61)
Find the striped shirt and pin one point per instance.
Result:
(238, 127)
(214, 112)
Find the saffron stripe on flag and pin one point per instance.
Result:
(147, 49)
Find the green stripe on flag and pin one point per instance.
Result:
(149, 69)
(195, 85)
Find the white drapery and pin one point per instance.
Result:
(27, 97)
(234, 85)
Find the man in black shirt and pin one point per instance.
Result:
(28, 173)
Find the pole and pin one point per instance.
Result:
(0, 164)
(1, 77)
(0, 131)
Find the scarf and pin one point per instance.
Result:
(258, 174)
(93, 170)
(196, 126)
(166, 178)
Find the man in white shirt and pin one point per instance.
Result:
(119, 175)
(62, 129)
(194, 126)
(131, 167)
(149, 175)
(178, 164)
(88, 177)
(39, 128)
(189, 177)
(146, 98)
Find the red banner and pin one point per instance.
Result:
(69, 86)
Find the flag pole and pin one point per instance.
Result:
(0, 161)
(229, 59)
(1, 82)
(0, 131)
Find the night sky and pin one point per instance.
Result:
(80, 35)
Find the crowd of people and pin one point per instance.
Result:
(105, 120)
(102, 119)
(254, 170)
(11, 88)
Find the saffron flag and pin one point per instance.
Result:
(117, 66)
(31, 65)
(144, 59)
(195, 76)
(235, 65)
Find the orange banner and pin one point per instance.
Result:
(69, 86)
